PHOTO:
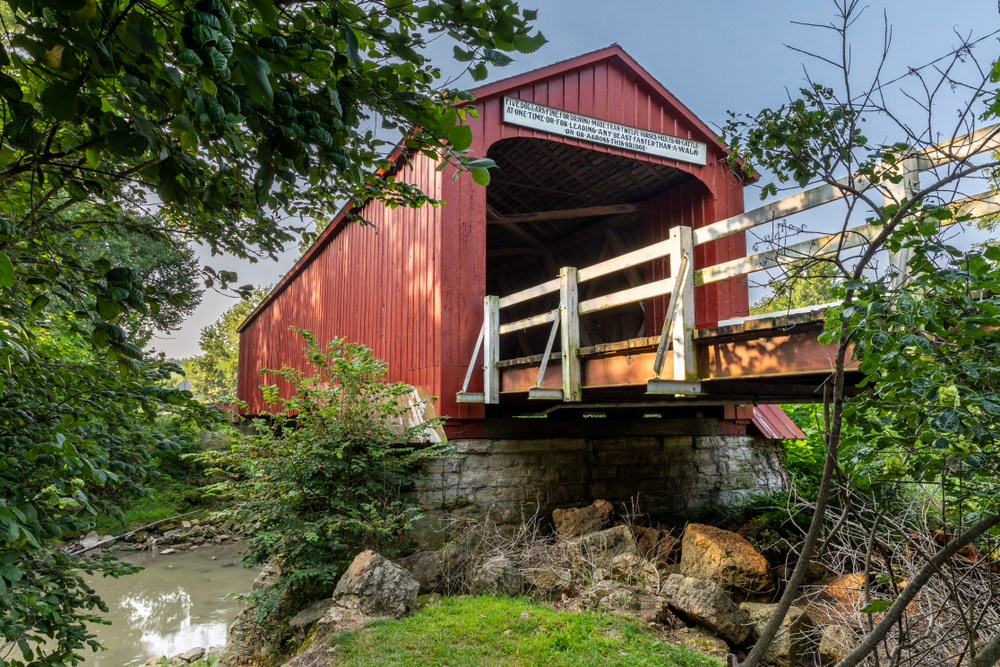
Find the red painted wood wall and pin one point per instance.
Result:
(413, 290)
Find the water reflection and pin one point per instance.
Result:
(176, 603)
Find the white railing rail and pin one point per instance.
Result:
(678, 325)
(961, 148)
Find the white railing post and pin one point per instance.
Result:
(569, 325)
(491, 349)
(895, 193)
(683, 330)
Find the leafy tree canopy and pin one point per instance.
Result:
(152, 120)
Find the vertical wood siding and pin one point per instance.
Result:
(413, 290)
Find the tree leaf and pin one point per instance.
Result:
(60, 101)
(39, 302)
(875, 607)
(352, 46)
(255, 73)
(126, 144)
(481, 175)
(6, 271)
(463, 56)
(460, 137)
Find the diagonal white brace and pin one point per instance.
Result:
(472, 363)
(668, 322)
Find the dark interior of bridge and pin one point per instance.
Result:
(549, 205)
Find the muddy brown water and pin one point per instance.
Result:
(178, 602)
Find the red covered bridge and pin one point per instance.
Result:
(612, 218)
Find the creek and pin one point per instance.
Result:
(177, 603)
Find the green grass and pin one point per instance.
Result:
(470, 632)
(166, 501)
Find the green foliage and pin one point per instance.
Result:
(481, 631)
(130, 127)
(805, 284)
(804, 458)
(929, 353)
(166, 266)
(213, 374)
(68, 432)
(326, 476)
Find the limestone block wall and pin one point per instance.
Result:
(673, 476)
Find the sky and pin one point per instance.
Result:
(714, 55)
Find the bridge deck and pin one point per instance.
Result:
(758, 360)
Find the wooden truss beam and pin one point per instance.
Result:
(565, 214)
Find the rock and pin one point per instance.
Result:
(268, 574)
(618, 598)
(704, 602)
(195, 522)
(376, 586)
(91, 540)
(598, 550)
(425, 568)
(795, 638)
(167, 552)
(185, 524)
(138, 538)
(248, 641)
(165, 527)
(197, 540)
(657, 546)
(634, 570)
(229, 564)
(835, 642)
(583, 520)
(192, 655)
(701, 639)
(551, 582)
(314, 651)
(497, 576)
(439, 571)
(302, 621)
(751, 531)
(726, 559)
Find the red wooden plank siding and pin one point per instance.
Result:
(413, 289)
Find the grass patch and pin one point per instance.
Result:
(481, 631)
(167, 500)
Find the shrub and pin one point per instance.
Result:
(328, 474)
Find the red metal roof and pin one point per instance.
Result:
(774, 423)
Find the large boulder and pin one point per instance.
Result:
(439, 571)
(835, 642)
(425, 568)
(795, 639)
(267, 576)
(598, 550)
(248, 641)
(302, 621)
(497, 576)
(376, 586)
(583, 520)
(726, 559)
(314, 651)
(632, 569)
(657, 546)
(702, 640)
(550, 582)
(621, 599)
(703, 602)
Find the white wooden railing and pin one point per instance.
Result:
(677, 334)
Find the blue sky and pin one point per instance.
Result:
(714, 55)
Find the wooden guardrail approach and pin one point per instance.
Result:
(677, 337)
